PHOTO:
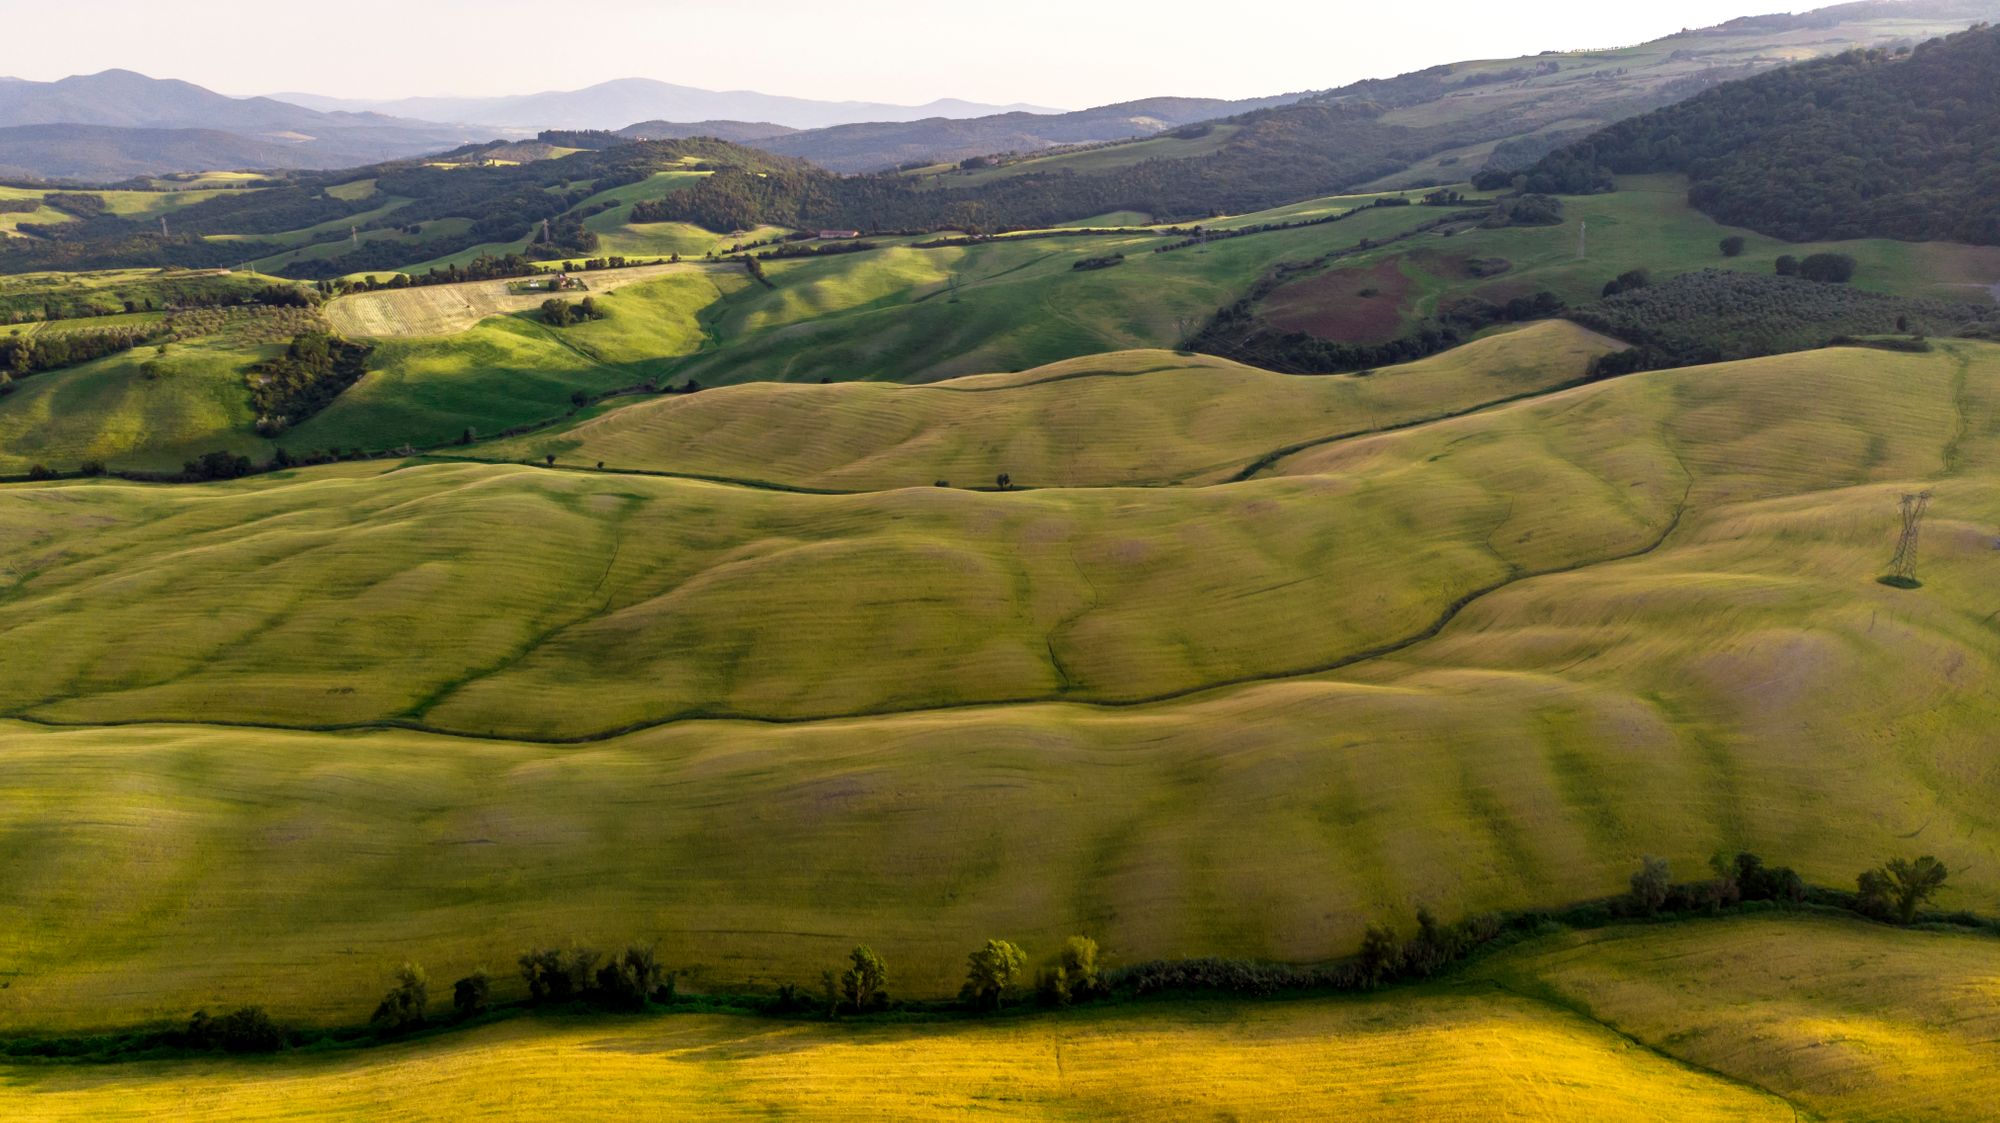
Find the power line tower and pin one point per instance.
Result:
(163, 227)
(1582, 239)
(1903, 567)
(354, 235)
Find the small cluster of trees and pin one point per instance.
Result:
(314, 369)
(1525, 210)
(626, 980)
(995, 972)
(22, 355)
(1892, 891)
(824, 249)
(1826, 268)
(1105, 262)
(560, 313)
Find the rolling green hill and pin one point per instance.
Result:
(1482, 662)
(1125, 418)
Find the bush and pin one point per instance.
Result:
(1732, 246)
(1787, 265)
(217, 466)
(1650, 885)
(247, 1029)
(1627, 282)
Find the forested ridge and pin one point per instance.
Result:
(1278, 156)
(1876, 143)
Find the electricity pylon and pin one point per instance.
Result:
(1903, 567)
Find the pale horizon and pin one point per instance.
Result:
(1051, 55)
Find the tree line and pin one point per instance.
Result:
(997, 970)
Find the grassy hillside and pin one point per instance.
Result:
(110, 412)
(1753, 1018)
(513, 369)
(1137, 417)
(1746, 682)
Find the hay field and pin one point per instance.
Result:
(447, 309)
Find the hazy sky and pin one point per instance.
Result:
(1066, 53)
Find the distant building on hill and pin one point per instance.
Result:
(830, 235)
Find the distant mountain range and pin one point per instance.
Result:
(609, 105)
(119, 123)
(874, 145)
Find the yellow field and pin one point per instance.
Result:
(1750, 1018)
(1403, 1058)
(1744, 683)
(1129, 418)
(446, 309)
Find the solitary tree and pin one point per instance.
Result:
(404, 1005)
(1788, 266)
(865, 984)
(1649, 885)
(1003, 481)
(470, 995)
(1732, 246)
(1896, 888)
(991, 972)
(1381, 954)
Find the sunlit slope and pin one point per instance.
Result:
(514, 601)
(1849, 1020)
(561, 604)
(512, 370)
(109, 411)
(1136, 417)
(1412, 1057)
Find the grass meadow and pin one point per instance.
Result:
(1482, 662)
